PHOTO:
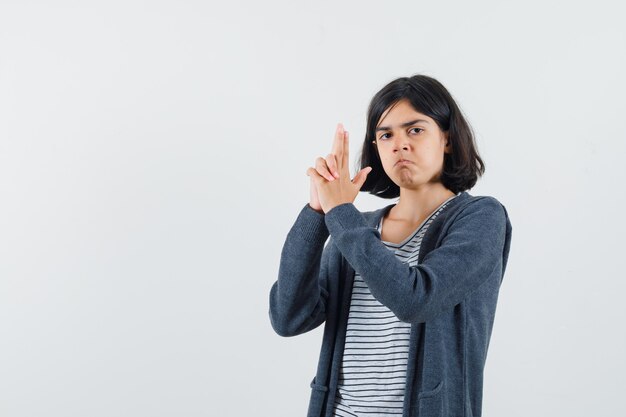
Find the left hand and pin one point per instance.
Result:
(343, 189)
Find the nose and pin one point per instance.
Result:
(401, 142)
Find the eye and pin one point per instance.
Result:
(382, 137)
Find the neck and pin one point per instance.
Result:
(415, 204)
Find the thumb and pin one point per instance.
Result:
(360, 178)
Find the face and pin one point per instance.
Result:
(404, 133)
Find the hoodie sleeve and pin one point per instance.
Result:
(298, 298)
(470, 252)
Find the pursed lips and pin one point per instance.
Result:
(403, 162)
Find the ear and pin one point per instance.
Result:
(448, 147)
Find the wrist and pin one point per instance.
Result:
(320, 211)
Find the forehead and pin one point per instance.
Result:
(400, 115)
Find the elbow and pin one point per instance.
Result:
(278, 319)
(283, 322)
(413, 314)
(411, 318)
(288, 325)
(280, 325)
(280, 329)
(295, 317)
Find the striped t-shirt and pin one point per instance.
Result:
(373, 370)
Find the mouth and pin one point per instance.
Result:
(403, 162)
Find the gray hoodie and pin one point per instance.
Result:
(449, 297)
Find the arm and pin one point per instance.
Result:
(298, 297)
(468, 255)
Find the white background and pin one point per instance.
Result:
(153, 158)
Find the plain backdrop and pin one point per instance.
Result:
(153, 158)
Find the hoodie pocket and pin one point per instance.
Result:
(430, 403)
(316, 402)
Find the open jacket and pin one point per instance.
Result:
(449, 297)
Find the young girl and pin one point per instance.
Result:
(407, 292)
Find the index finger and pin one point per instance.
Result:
(338, 145)
(346, 150)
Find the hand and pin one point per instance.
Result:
(332, 191)
(324, 167)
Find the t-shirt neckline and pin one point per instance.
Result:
(414, 232)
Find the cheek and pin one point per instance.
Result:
(387, 166)
(431, 155)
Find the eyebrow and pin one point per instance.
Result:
(406, 124)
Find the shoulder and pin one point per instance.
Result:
(484, 202)
(483, 210)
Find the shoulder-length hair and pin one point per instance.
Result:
(461, 167)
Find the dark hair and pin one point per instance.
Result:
(461, 167)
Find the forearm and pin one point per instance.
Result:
(297, 297)
(469, 254)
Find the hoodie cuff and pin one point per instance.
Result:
(344, 217)
(310, 225)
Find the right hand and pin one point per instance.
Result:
(328, 169)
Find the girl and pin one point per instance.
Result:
(408, 292)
